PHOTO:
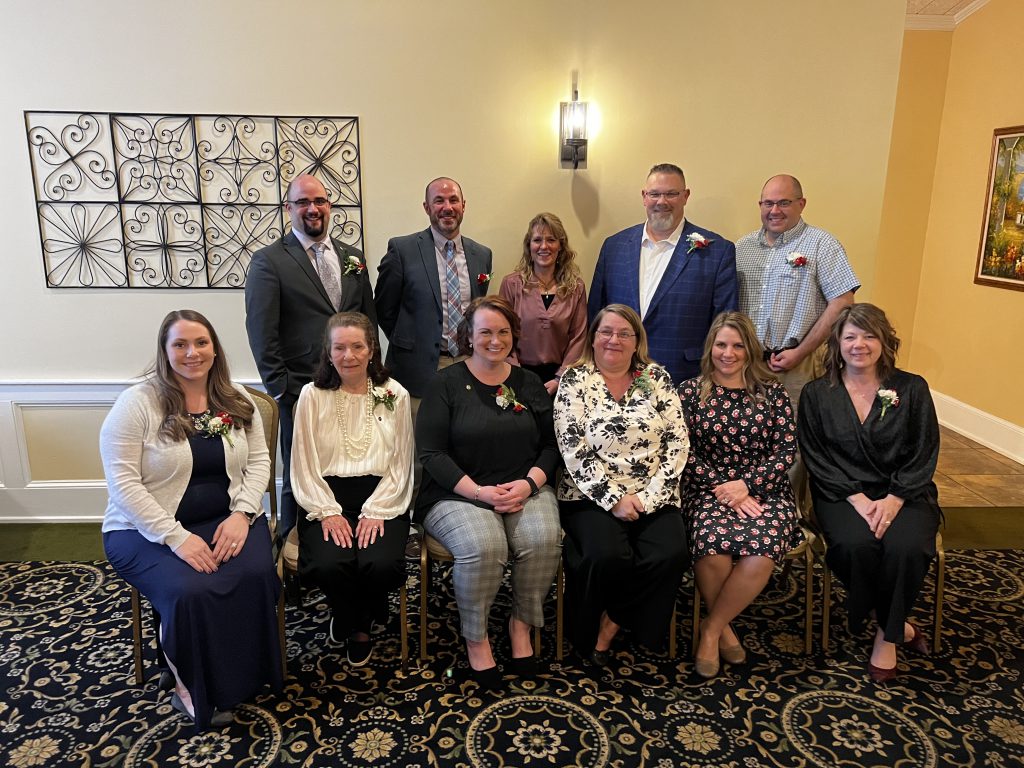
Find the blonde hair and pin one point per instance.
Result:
(567, 274)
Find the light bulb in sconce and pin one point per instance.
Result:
(572, 130)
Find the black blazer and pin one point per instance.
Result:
(287, 308)
(409, 304)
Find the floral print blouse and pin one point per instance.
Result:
(612, 448)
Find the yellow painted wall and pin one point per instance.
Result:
(967, 337)
(908, 186)
(733, 91)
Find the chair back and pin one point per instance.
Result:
(270, 417)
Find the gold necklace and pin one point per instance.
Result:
(355, 449)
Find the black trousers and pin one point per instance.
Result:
(881, 575)
(355, 581)
(631, 570)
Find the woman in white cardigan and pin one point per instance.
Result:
(352, 475)
(186, 464)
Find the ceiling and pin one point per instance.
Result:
(939, 14)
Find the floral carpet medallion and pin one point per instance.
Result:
(67, 696)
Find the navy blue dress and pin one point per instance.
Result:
(218, 630)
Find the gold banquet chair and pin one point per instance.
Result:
(802, 552)
(267, 407)
(432, 549)
(940, 592)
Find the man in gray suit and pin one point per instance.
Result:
(293, 287)
(424, 285)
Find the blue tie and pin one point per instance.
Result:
(454, 300)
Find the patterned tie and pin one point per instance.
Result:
(327, 276)
(454, 301)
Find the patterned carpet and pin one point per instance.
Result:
(68, 697)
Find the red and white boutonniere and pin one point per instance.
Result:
(353, 266)
(697, 242)
(220, 425)
(889, 399)
(483, 278)
(641, 382)
(796, 260)
(505, 397)
(385, 396)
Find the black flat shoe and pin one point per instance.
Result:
(526, 666)
(359, 652)
(601, 658)
(166, 682)
(488, 679)
(217, 720)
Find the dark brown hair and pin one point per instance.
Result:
(327, 376)
(868, 318)
(221, 394)
(495, 304)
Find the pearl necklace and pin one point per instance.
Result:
(355, 449)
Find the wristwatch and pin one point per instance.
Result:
(252, 517)
(534, 490)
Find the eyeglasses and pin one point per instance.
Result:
(658, 195)
(305, 202)
(607, 333)
(769, 204)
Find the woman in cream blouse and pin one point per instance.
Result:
(352, 475)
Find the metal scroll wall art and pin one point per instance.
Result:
(179, 201)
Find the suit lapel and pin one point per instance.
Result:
(294, 249)
(631, 274)
(429, 258)
(676, 265)
(477, 265)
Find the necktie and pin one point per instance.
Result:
(327, 276)
(453, 303)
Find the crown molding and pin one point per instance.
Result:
(933, 22)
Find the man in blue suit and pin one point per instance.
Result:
(677, 276)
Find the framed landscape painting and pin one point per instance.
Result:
(1001, 254)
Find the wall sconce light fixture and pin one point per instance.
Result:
(572, 129)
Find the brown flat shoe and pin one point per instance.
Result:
(881, 674)
(706, 668)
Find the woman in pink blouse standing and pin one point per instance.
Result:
(548, 295)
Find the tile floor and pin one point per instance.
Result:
(971, 475)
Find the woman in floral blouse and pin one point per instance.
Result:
(870, 438)
(738, 500)
(621, 432)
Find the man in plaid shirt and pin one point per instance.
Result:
(793, 280)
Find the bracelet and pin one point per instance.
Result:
(534, 490)
(476, 495)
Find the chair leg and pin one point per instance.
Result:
(808, 601)
(403, 631)
(424, 582)
(826, 604)
(559, 618)
(672, 635)
(280, 633)
(695, 625)
(137, 635)
(940, 592)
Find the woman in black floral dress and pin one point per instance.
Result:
(737, 498)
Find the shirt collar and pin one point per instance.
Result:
(440, 240)
(307, 242)
(786, 237)
(647, 242)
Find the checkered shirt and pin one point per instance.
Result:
(785, 300)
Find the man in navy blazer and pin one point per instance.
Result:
(287, 307)
(412, 295)
(677, 276)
